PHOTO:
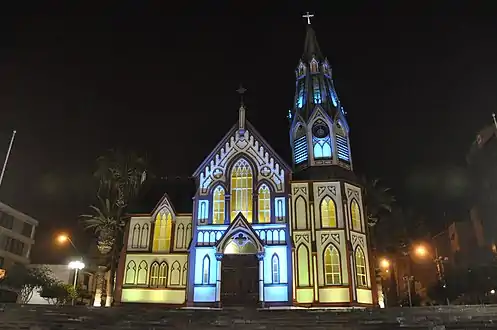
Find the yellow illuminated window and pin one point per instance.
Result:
(332, 273)
(303, 265)
(241, 190)
(328, 213)
(218, 203)
(154, 275)
(162, 231)
(356, 216)
(360, 266)
(162, 278)
(264, 204)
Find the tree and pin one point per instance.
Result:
(378, 200)
(59, 293)
(120, 177)
(25, 280)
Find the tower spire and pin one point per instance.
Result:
(241, 112)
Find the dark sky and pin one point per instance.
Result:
(417, 84)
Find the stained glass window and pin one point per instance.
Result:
(332, 272)
(264, 204)
(205, 270)
(162, 278)
(241, 190)
(162, 231)
(154, 275)
(301, 94)
(356, 216)
(218, 206)
(328, 213)
(360, 265)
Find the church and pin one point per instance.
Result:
(262, 232)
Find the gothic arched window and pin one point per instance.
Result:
(342, 143)
(241, 190)
(360, 267)
(130, 273)
(175, 273)
(300, 99)
(264, 204)
(355, 213)
(188, 234)
(332, 269)
(206, 264)
(300, 145)
(154, 274)
(303, 265)
(180, 236)
(218, 206)
(162, 231)
(142, 273)
(314, 66)
(144, 240)
(328, 213)
(275, 268)
(162, 278)
(135, 237)
(321, 140)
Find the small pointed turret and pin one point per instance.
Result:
(311, 46)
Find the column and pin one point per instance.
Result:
(219, 257)
(260, 257)
(99, 284)
(108, 289)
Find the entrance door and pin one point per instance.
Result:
(239, 280)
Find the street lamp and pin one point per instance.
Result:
(63, 238)
(421, 251)
(385, 263)
(76, 265)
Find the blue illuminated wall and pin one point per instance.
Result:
(204, 287)
(276, 288)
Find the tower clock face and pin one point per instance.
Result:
(320, 130)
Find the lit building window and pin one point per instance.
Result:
(154, 275)
(162, 231)
(275, 268)
(300, 145)
(342, 143)
(301, 94)
(356, 215)
(264, 204)
(205, 270)
(130, 273)
(241, 190)
(219, 204)
(360, 265)
(203, 212)
(321, 140)
(316, 90)
(280, 209)
(162, 279)
(332, 272)
(314, 66)
(328, 213)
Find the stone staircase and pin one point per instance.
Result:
(145, 317)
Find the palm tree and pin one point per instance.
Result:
(120, 176)
(378, 200)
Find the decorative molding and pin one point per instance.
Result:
(336, 238)
(324, 238)
(333, 190)
(246, 143)
(321, 190)
(297, 189)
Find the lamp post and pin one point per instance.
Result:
(385, 265)
(76, 265)
(63, 238)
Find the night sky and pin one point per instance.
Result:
(417, 84)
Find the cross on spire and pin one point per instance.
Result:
(308, 16)
(241, 91)
(241, 111)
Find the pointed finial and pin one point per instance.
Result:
(241, 111)
(495, 121)
(308, 16)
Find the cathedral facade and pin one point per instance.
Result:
(262, 232)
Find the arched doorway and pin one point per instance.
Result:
(240, 272)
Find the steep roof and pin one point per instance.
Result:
(311, 46)
(179, 190)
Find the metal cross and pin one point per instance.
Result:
(241, 91)
(308, 16)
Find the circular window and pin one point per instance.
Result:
(320, 130)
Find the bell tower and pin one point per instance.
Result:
(319, 133)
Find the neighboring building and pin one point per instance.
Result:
(17, 231)
(63, 274)
(262, 232)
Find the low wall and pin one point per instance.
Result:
(159, 317)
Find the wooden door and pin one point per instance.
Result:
(239, 280)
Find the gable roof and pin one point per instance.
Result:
(239, 225)
(226, 139)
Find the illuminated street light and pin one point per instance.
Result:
(63, 238)
(492, 291)
(385, 263)
(77, 265)
(421, 251)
